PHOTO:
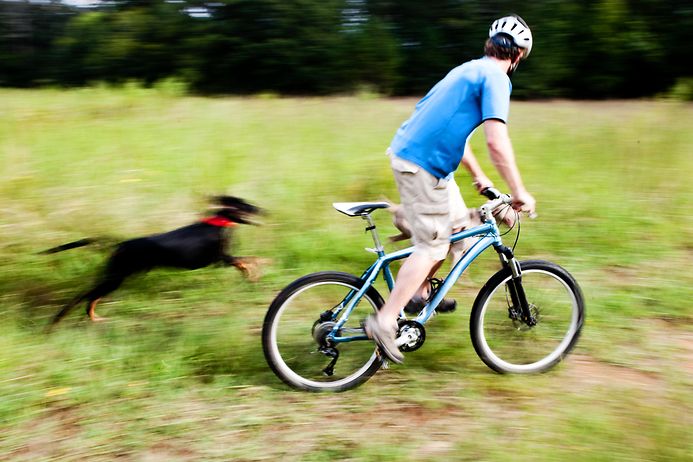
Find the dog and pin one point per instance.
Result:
(502, 212)
(191, 247)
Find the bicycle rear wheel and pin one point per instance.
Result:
(300, 318)
(506, 343)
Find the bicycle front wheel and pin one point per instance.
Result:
(508, 344)
(298, 322)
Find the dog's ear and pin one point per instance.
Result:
(237, 204)
(227, 201)
(236, 215)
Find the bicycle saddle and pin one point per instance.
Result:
(355, 209)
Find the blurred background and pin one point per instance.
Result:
(119, 118)
(586, 49)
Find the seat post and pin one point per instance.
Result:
(376, 239)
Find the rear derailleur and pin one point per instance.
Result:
(321, 329)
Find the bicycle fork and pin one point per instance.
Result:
(517, 292)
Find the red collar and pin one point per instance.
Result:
(219, 221)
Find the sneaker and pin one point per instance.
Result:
(416, 304)
(384, 338)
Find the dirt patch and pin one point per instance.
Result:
(164, 452)
(589, 372)
(57, 425)
(665, 348)
(675, 335)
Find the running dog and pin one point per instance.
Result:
(503, 213)
(191, 247)
(456, 252)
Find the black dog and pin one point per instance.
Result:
(191, 247)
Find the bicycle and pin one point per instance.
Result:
(525, 319)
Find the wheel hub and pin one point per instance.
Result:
(523, 325)
(321, 330)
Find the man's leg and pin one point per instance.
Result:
(426, 206)
(410, 278)
(459, 217)
(383, 327)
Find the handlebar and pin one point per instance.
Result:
(496, 198)
(491, 193)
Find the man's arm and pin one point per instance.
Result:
(481, 181)
(503, 157)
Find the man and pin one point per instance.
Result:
(429, 147)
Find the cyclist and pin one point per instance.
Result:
(429, 147)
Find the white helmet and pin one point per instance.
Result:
(516, 28)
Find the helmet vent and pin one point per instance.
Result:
(517, 31)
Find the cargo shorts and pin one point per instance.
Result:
(432, 206)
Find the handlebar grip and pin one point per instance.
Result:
(490, 193)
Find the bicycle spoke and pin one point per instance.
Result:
(509, 344)
(298, 343)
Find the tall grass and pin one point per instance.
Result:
(177, 372)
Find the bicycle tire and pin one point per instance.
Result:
(297, 363)
(507, 345)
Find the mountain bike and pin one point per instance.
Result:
(525, 319)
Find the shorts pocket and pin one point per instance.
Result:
(430, 208)
(403, 166)
(433, 223)
(433, 199)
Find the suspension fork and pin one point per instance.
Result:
(517, 292)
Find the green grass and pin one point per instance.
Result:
(177, 373)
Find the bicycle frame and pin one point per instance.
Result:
(489, 236)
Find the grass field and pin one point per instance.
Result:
(177, 373)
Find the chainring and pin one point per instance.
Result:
(413, 332)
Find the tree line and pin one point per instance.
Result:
(586, 49)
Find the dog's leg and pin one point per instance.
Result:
(93, 296)
(92, 313)
(249, 266)
(458, 249)
(61, 314)
(109, 282)
(400, 222)
(105, 287)
(399, 237)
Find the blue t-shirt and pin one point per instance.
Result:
(435, 134)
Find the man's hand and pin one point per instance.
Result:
(482, 182)
(524, 202)
(507, 215)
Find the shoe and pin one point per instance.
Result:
(384, 338)
(416, 304)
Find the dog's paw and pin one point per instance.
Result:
(252, 267)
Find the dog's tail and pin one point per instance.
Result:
(68, 246)
(65, 309)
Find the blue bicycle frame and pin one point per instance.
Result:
(490, 236)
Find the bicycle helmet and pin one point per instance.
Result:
(514, 28)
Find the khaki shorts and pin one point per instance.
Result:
(432, 206)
